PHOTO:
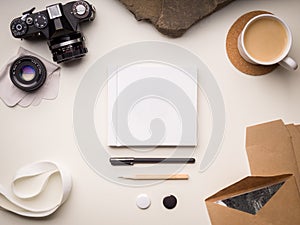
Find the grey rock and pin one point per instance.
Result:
(173, 17)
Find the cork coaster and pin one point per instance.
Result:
(233, 52)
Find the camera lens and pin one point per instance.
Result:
(28, 73)
(67, 47)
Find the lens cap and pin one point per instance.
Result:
(28, 73)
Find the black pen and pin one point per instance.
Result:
(130, 161)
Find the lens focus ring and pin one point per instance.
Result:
(67, 47)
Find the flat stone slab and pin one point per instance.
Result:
(173, 17)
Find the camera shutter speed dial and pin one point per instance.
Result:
(40, 21)
(81, 9)
(18, 27)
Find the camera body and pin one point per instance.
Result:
(59, 24)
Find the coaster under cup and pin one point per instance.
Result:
(233, 52)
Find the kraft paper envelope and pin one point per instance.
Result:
(282, 209)
(270, 149)
(273, 152)
(295, 136)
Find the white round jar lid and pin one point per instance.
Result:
(143, 201)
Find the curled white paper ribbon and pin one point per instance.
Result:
(45, 168)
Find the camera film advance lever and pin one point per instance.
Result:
(59, 24)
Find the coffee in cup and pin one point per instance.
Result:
(266, 40)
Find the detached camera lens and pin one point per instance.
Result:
(28, 73)
(67, 47)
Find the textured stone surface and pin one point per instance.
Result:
(173, 17)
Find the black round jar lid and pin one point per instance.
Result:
(170, 201)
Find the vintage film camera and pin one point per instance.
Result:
(59, 24)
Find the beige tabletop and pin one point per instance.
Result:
(46, 132)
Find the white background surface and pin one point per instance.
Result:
(46, 131)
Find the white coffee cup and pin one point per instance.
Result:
(267, 40)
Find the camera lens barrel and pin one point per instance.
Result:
(28, 73)
(67, 47)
